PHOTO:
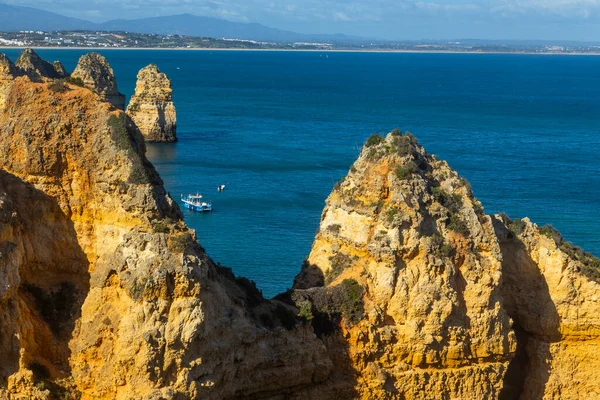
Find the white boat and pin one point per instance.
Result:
(194, 202)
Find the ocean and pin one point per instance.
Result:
(280, 128)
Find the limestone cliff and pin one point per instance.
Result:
(406, 229)
(96, 73)
(104, 291)
(432, 299)
(32, 65)
(550, 289)
(151, 107)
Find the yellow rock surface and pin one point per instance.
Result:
(151, 107)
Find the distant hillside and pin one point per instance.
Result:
(15, 18)
(191, 25)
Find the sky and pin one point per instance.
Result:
(385, 19)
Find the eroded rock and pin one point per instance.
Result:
(32, 65)
(96, 73)
(151, 107)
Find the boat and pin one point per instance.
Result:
(194, 202)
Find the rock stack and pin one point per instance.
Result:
(97, 74)
(151, 107)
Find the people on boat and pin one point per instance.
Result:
(221, 188)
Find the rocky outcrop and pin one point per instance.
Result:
(97, 74)
(434, 299)
(8, 72)
(60, 69)
(151, 107)
(32, 65)
(105, 291)
(550, 289)
(405, 229)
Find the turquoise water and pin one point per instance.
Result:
(280, 128)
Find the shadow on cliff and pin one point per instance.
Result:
(526, 298)
(38, 319)
(326, 308)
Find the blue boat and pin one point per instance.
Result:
(194, 202)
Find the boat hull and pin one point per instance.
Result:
(197, 208)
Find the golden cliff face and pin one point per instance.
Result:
(151, 107)
(104, 289)
(435, 300)
(406, 228)
(551, 291)
(410, 291)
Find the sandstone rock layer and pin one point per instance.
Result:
(407, 229)
(32, 65)
(104, 291)
(151, 107)
(97, 74)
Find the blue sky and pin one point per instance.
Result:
(390, 19)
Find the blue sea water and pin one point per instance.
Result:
(280, 128)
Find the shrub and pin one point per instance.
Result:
(440, 247)
(75, 81)
(396, 132)
(391, 214)
(478, 207)
(411, 138)
(452, 201)
(334, 228)
(305, 310)
(57, 86)
(447, 250)
(550, 232)
(180, 243)
(352, 306)
(159, 227)
(405, 172)
(457, 225)
(339, 263)
(402, 145)
(374, 140)
(377, 206)
(517, 226)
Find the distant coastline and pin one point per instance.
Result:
(429, 51)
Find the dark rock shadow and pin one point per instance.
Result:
(38, 318)
(526, 298)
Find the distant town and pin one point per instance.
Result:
(115, 40)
